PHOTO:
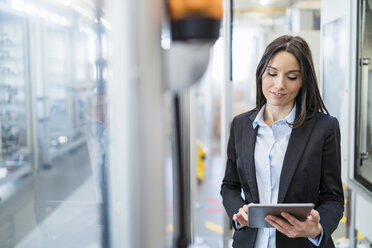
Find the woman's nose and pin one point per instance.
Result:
(279, 82)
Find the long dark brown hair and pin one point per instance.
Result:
(308, 98)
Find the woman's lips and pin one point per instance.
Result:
(277, 95)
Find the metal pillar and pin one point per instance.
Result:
(181, 74)
(226, 101)
(136, 137)
(350, 215)
(181, 170)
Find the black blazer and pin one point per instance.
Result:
(311, 172)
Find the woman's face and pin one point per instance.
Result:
(282, 80)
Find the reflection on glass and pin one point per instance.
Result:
(14, 144)
(363, 171)
(168, 176)
(245, 59)
(334, 66)
(53, 115)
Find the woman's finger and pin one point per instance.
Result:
(315, 215)
(243, 213)
(292, 220)
(242, 221)
(279, 221)
(242, 217)
(234, 217)
(278, 226)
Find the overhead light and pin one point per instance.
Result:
(65, 2)
(3, 172)
(31, 9)
(36, 11)
(62, 139)
(265, 2)
(105, 23)
(18, 5)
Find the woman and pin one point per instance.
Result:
(286, 150)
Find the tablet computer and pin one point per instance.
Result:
(258, 212)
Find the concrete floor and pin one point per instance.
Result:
(61, 208)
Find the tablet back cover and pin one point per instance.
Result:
(258, 212)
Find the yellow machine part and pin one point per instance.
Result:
(200, 165)
(181, 9)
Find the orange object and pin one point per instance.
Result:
(181, 9)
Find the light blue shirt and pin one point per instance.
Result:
(271, 145)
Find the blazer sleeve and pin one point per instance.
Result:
(231, 187)
(331, 197)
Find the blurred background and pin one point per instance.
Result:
(114, 123)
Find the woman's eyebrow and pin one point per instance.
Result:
(291, 71)
(294, 71)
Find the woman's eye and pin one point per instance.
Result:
(271, 74)
(292, 78)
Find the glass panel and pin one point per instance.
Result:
(245, 61)
(14, 142)
(363, 171)
(53, 116)
(334, 42)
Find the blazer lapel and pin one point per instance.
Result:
(248, 144)
(296, 146)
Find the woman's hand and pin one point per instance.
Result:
(242, 216)
(293, 228)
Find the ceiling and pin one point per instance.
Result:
(261, 4)
(269, 8)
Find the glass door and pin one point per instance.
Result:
(14, 139)
(53, 112)
(363, 170)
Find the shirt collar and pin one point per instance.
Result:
(288, 119)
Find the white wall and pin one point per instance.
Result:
(330, 14)
(332, 10)
(363, 216)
